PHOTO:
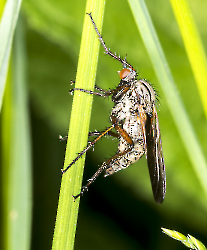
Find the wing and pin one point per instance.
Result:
(155, 158)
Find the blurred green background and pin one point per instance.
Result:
(118, 211)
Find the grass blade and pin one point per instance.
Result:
(16, 154)
(67, 213)
(174, 101)
(7, 26)
(193, 45)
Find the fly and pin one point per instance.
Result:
(135, 119)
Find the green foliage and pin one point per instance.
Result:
(118, 210)
(16, 177)
(193, 46)
(66, 221)
(188, 241)
(10, 12)
(167, 82)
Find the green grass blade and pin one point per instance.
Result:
(67, 213)
(174, 101)
(16, 154)
(5, 127)
(193, 45)
(7, 26)
(178, 236)
(188, 241)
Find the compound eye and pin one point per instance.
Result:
(124, 73)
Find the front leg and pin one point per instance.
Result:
(103, 93)
(117, 92)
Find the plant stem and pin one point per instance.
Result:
(66, 221)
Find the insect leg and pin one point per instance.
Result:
(89, 92)
(107, 51)
(103, 93)
(121, 131)
(105, 165)
(87, 148)
(114, 160)
(96, 133)
(117, 92)
(96, 87)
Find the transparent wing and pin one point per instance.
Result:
(155, 158)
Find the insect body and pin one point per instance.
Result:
(135, 120)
